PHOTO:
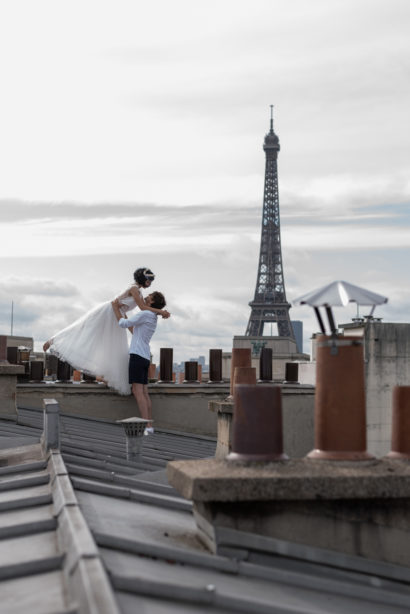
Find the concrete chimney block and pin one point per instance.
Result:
(51, 435)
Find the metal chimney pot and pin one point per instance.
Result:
(134, 433)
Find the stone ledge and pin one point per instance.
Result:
(221, 407)
(10, 369)
(95, 388)
(294, 480)
(189, 389)
(177, 408)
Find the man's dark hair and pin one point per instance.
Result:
(158, 300)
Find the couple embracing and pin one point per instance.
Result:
(97, 342)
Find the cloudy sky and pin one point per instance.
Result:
(131, 135)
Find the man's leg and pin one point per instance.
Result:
(138, 370)
(148, 405)
(142, 402)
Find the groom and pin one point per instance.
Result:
(142, 325)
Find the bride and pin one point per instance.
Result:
(95, 344)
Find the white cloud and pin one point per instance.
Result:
(168, 103)
(20, 287)
(171, 108)
(345, 237)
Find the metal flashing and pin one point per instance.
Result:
(129, 493)
(26, 467)
(253, 544)
(167, 553)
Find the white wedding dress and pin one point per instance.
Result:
(96, 345)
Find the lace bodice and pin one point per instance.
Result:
(127, 303)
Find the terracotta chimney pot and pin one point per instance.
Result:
(257, 424)
(340, 400)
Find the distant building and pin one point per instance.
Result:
(15, 341)
(298, 330)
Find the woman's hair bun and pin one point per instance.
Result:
(142, 275)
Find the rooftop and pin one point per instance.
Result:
(84, 529)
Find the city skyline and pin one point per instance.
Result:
(132, 136)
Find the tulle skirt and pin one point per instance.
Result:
(96, 345)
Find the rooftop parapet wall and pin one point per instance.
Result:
(175, 407)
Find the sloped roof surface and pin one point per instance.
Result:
(146, 536)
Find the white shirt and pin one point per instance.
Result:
(144, 323)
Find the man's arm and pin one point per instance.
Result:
(116, 308)
(136, 294)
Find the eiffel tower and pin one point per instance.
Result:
(269, 304)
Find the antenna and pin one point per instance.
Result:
(271, 117)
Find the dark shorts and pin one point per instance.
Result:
(138, 369)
